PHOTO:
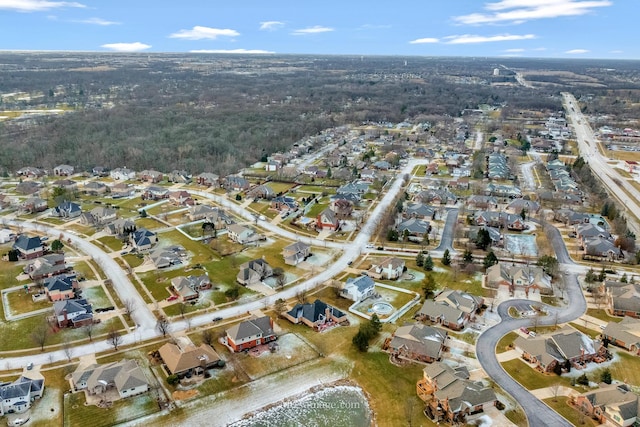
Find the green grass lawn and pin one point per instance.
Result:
(175, 309)
(8, 273)
(602, 314)
(83, 270)
(111, 242)
(200, 253)
(505, 342)
(77, 414)
(587, 331)
(530, 378)
(133, 260)
(149, 223)
(20, 302)
(281, 187)
(317, 208)
(575, 417)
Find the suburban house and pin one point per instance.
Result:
(317, 315)
(17, 396)
(495, 236)
(252, 272)
(623, 299)
(95, 188)
(449, 394)
(208, 179)
(29, 247)
(250, 333)
(236, 183)
(417, 342)
(420, 211)
(188, 360)
(613, 404)
(242, 234)
(518, 276)
(327, 220)
(517, 205)
(60, 287)
(571, 217)
(46, 266)
(566, 346)
(284, 204)
(73, 313)
(262, 191)
(179, 176)
(358, 289)
(450, 308)
(100, 171)
(142, 239)
(120, 227)
(28, 187)
(602, 248)
(122, 174)
(67, 209)
(500, 220)
(181, 198)
(102, 215)
(625, 334)
(216, 216)
(389, 268)
(437, 195)
(124, 377)
(121, 190)
(588, 231)
(480, 201)
(30, 172)
(155, 192)
(296, 252)
(151, 176)
(188, 288)
(414, 227)
(63, 170)
(34, 204)
(342, 207)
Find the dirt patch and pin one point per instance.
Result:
(184, 394)
(161, 279)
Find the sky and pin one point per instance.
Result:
(495, 28)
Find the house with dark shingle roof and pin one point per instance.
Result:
(29, 247)
(517, 276)
(327, 220)
(60, 287)
(449, 394)
(358, 288)
(73, 313)
(67, 209)
(142, 239)
(450, 308)
(316, 315)
(125, 376)
(420, 211)
(418, 342)
(17, 396)
(296, 252)
(414, 227)
(250, 333)
(48, 265)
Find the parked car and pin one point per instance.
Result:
(172, 298)
(217, 319)
(29, 366)
(524, 330)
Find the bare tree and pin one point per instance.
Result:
(163, 326)
(40, 334)
(88, 331)
(302, 296)
(281, 280)
(280, 306)
(68, 350)
(207, 336)
(114, 338)
(188, 321)
(129, 307)
(182, 308)
(555, 390)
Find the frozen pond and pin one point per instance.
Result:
(333, 406)
(521, 244)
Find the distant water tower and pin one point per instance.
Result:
(496, 71)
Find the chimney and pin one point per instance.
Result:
(64, 314)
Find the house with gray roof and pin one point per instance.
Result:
(60, 287)
(327, 220)
(518, 276)
(243, 235)
(34, 204)
(450, 308)
(95, 188)
(252, 272)
(125, 377)
(188, 288)
(166, 257)
(216, 216)
(250, 333)
(414, 227)
(602, 248)
(208, 179)
(358, 288)
(29, 247)
(418, 342)
(420, 211)
(18, 396)
(317, 315)
(63, 170)
(46, 266)
(623, 299)
(67, 209)
(450, 396)
(73, 313)
(613, 404)
(625, 334)
(296, 252)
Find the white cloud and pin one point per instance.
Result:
(425, 40)
(312, 30)
(126, 47)
(513, 50)
(518, 11)
(271, 25)
(577, 51)
(199, 33)
(617, 51)
(469, 38)
(35, 5)
(247, 51)
(98, 21)
(374, 27)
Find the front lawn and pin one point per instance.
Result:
(575, 417)
(602, 314)
(530, 378)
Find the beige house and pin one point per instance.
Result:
(189, 360)
(389, 268)
(613, 404)
(418, 342)
(125, 377)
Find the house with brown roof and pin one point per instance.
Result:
(327, 220)
(417, 342)
(518, 276)
(151, 176)
(125, 377)
(188, 288)
(188, 360)
(250, 333)
(181, 198)
(625, 334)
(254, 271)
(613, 404)
(623, 299)
(450, 308)
(450, 396)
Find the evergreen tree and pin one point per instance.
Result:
(446, 258)
(605, 376)
(419, 259)
(490, 259)
(483, 239)
(523, 214)
(467, 257)
(428, 263)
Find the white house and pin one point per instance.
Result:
(17, 396)
(390, 268)
(243, 235)
(358, 289)
(122, 174)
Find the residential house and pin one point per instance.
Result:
(46, 266)
(262, 191)
(252, 272)
(358, 188)
(612, 404)
(243, 235)
(625, 334)
(72, 313)
(122, 190)
(151, 176)
(517, 205)
(284, 204)
(352, 198)
(188, 288)
(208, 179)
(482, 202)
(418, 342)
(503, 190)
(121, 226)
(602, 248)
(165, 257)
(100, 171)
(122, 174)
(450, 396)
(389, 268)
(317, 315)
(216, 216)
(414, 227)
(142, 239)
(67, 210)
(518, 276)
(500, 220)
(60, 287)
(343, 208)
(236, 183)
(451, 308)
(95, 188)
(28, 187)
(358, 288)
(181, 198)
(382, 165)
(588, 231)
(571, 217)
(623, 299)
(495, 235)
(419, 211)
(250, 333)
(566, 346)
(296, 252)
(368, 175)
(102, 215)
(154, 192)
(17, 396)
(29, 247)
(437, 195)
(327, 220)
(66, 184)
(497, 167)
(188, 360)
(30, 172)
(34, 204)
(63, 170)
(125, 377)
(179, 176)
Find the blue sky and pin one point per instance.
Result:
(523, 28)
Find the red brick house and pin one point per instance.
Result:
(327, 220)
(250, 333)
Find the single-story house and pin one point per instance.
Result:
(418, 342)
(63, 170)
(623, 299)
(518, 276)
(625, 334)
(188, 360)
(125, 377)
